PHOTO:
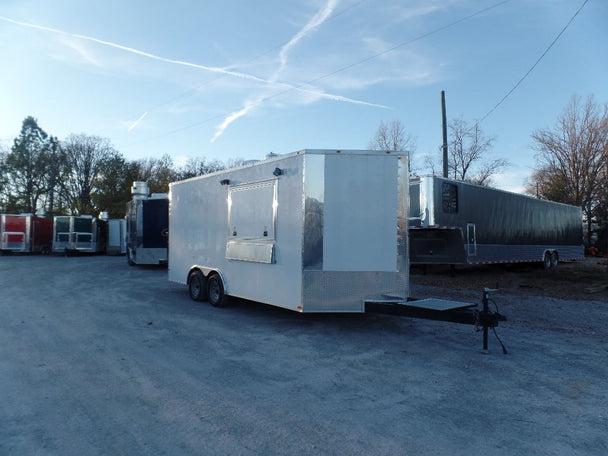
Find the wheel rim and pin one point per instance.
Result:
(195, 288)
(214, 291)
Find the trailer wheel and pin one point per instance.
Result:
(130, 258)
(215, 289)
(196, 286)
(547, 263)
(554, 259)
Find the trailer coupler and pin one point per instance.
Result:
(444, 310)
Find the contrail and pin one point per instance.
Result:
(249, 105)
(236, 74)
(138, 52)
(315, 22)
(136, 123)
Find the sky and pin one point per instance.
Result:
(238, 79)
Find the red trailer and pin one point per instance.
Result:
(25, 233)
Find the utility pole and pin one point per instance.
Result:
(444, 125)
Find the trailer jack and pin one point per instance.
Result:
(444, 310)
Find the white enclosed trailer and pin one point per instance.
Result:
(117, 237)
(116, 244)
(311, 231)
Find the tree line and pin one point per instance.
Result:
(85, 174)
(82, 174)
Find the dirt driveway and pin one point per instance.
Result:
(579, 280)
(100, 358)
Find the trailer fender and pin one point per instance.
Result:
(207, 271)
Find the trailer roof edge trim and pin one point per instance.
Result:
(279, 157)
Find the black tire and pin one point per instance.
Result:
(215, 291)
(547, 261)
(196, 286)
(554, 259)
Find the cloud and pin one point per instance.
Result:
(83, 52)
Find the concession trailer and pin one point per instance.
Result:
(147, 223)
(456, 222)
(311, 231)
(79, 233)
(26, 233)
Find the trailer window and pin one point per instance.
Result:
(449, 198)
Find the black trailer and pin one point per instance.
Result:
(147, 226)
(456, 222)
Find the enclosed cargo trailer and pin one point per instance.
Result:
(455, 222)
(25, 233)
(147, 224)
(116, 242)
(79, 233)
(116, 237)
(311, 231)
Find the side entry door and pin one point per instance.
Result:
(471, 240)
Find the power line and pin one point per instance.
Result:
(347, 67)
(535, 64)
(251, 60)
(413, 40)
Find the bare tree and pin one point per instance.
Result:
(157, 172)
(572, 157)
(392, 137)
(468, 147)
(88, 158)
(199, 166)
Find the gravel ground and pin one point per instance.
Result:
(97, 357)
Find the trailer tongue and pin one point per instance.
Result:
(443, 310)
